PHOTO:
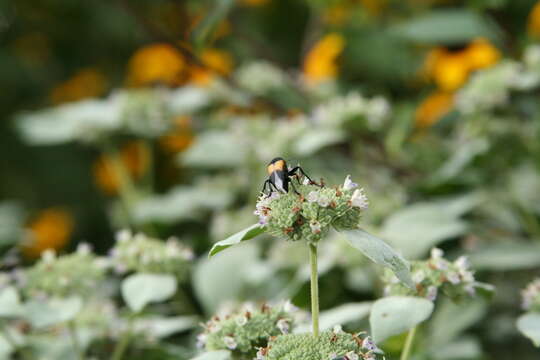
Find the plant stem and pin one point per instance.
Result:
(75, 339)
(314, 289)
(122, 345)
(408, 344)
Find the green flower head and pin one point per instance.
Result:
(245, 330)
(329, 345)
(74, 274)
(313, 211)
(454, 279)
(143, 254)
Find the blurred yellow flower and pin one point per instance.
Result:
(450, 69)
(433, 108)
(88, 82)
(179, 139)
(320, 62)
(134, 156)
(218, 62)
(481, 54)
(156, 63)
(50, 229)
(534, 21)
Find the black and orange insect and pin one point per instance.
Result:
(279, 177)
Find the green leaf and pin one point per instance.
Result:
(314, 139)
(214, 149)
(529, 325)
(339, 315)
(246, 234)
(216, 15)
(161, 327)
(447, 27)
(418, 227)
(214, 355)
(381, 253)
(10, 303)
(138, 290)
(508, 256)
(53, 311)
(396, 314)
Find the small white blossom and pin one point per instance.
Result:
(261, 354)
(283, 326)
(436, 253)
(315, 226)
(348, 184)
(431, 293)
(288, 306)
(359, 199)
(470, 289)
(230, 343)
(418, 277)
(241, 320)
(84, 249)
(351, 355)
(369, 345)
(48, 256)
(462, 263)
(337, 329)
(201, 340)
(123, 236)
(323, 201)
(313, 196)
(453, 277)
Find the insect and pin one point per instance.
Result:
(279, 176)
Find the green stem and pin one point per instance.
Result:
(122, 345)
(75, 339)
(314, 289)
(408, 344)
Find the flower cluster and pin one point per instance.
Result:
(246, 330)
(310, 214)
(352, 107)
(143, 254)
(454, 279)
(531, 296)
(330, 345)
(78, 273)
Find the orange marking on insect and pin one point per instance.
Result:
(279, 165)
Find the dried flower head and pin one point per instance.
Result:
(311, 213)
(435, 275)
(144, 254)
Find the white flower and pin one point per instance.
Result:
(337, 329)
(462, 263)
(283, 326)
(348, 184)
(48, 256)
(368, 344)
(359, 199)
(418, 277)
(123, 236)
(261, 354)
(323, 201)
(470, 289)
(431, 293)
(201, 340)
(230, 343)
(289, 306)
(241, 320)
(436, 253)
(84, 249)
(351, 355)
(313, 196)
(315, 226)
(453, 277)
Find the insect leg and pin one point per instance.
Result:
(298, 168)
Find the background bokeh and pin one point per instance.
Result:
(161, 115)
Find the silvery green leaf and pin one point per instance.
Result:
(314, 139)
(464, 154)
(5, 349)
(246, 234)
(214, 149)
(451, 319)
(139, 290)
(462, 348)
(214, 355)
(396, 314)
(43, 313)
(161, 327)
(529, 325)
(182, 203)
(10, 303)
(381, 253)
(418, 227)
(525, 187)
(339, 315)
(11, 222)
(446, 27)
(221, 278)
(506, 256)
